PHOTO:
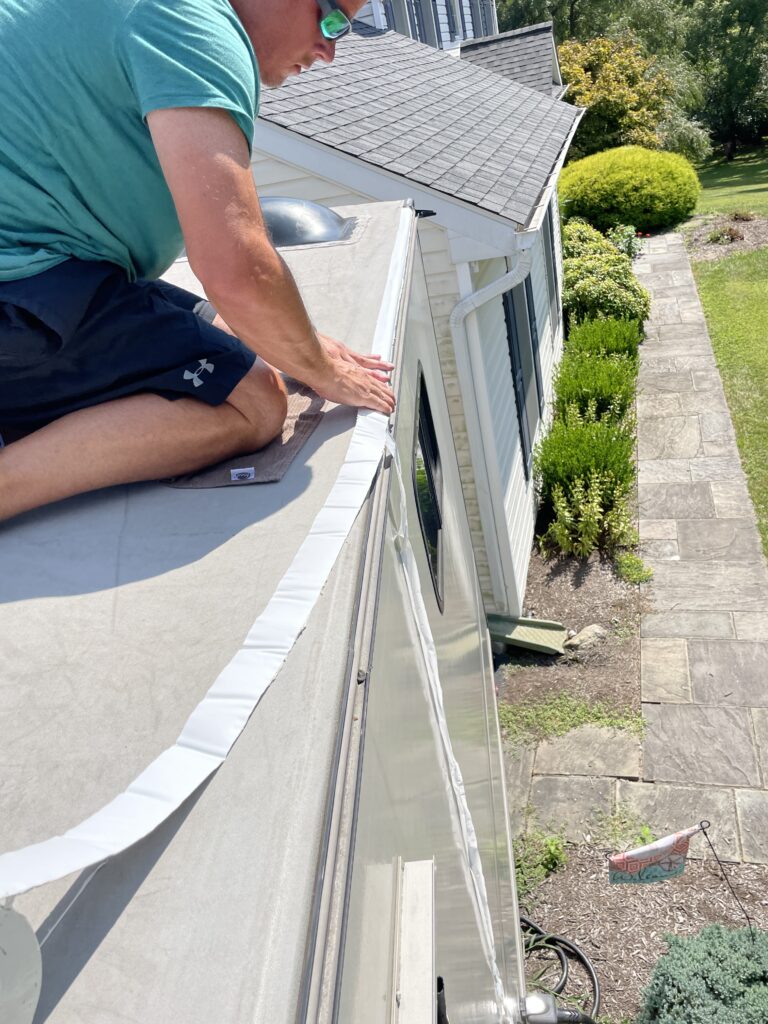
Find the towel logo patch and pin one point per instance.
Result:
(195, 377)
(247, 473)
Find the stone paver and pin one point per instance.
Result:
(760, 723)
(664, 674)
(676, 501)
(590, 750)
(730, 540)
(518, 765)
(571, 802)
(691, 743)
(704, 635)
(729, 672)
(706, 586)
(687, 624)
(751, 625)
(668, 808)
(752, 812)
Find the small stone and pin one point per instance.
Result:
(587, 637)
(571, 634)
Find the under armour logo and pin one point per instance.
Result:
(195, 377)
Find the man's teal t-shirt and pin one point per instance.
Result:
(79, 175)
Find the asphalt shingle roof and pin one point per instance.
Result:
(434, 119)
(524, 55)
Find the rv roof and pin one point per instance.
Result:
(117, 611)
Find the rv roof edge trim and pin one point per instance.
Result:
(217, 721)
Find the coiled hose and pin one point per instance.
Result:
(534, 936)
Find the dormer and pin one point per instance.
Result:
(444, 24)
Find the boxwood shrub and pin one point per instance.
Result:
(604, 383)
(603, 285)
(584, 474)
(630, 185)
(719, 976)
(606, 337)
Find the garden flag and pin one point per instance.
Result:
(653, 863)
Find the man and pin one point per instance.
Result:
(125, 133)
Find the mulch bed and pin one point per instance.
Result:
(621, 928)
(696, 233)
(579, 593)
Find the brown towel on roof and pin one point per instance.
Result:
(269, 464)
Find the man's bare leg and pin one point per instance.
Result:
(142, 437)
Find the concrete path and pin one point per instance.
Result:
(704, 640)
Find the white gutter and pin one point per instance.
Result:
(536, 218)
(467, 345)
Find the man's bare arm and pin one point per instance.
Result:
(205, 161)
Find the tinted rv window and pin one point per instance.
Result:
(523, 343)
(428, 485)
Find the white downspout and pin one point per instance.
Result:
(467, 345)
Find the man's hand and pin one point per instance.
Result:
(205, 160)
(354, 379)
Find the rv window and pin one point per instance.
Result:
(428, 486)
(523, 344)
(549, 256)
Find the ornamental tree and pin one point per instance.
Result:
(625, 94)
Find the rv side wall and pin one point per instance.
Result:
(406, 803)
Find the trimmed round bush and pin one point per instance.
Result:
(581, 239)
(715, 977)
(606, 337)
(630, 185)
(603, 286)
(605, 383)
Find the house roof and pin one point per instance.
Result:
(526, 55)
(418, 112)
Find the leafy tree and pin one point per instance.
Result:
(728, 41)
(625, 94)
(572, 19)
(660, 26)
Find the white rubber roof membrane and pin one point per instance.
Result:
(118, 610)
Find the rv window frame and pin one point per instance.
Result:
(435, 487)
(521, 328)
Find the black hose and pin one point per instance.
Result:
(563, 948)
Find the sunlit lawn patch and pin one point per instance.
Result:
(734, 293)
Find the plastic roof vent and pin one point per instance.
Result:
(300, 222)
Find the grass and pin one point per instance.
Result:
(558, 713)
(738, 185)
(734, 293)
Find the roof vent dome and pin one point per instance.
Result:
(301, 222)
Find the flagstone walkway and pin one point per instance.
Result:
(704, 641)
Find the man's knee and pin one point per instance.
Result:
(261, 400)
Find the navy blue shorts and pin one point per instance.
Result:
(81, 334)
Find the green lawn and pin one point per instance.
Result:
(734, 292)
(739, 185)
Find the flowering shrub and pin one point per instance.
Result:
(581, 239)
(625, 238)
(603, 285)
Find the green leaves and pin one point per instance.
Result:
(630, 185)
(718, 976)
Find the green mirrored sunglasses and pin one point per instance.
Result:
(334, 23)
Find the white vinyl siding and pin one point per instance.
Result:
(466, 6)
(366, 14)
(276, 177)
(518, 492)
